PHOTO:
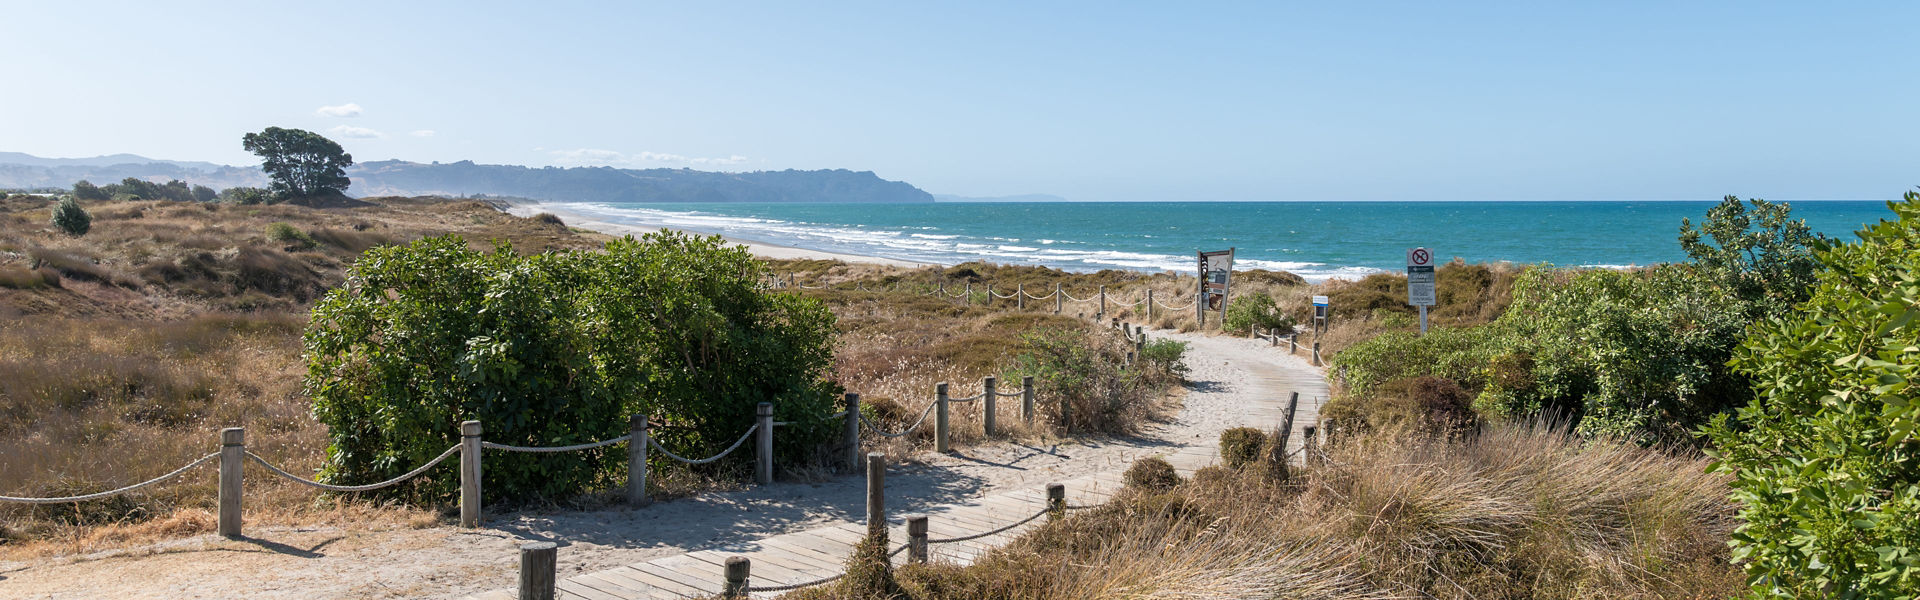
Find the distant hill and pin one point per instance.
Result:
(607, 184)
(1014, 198)
(401, 178)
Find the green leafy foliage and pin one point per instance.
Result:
(1168, 356)
(1761, 254)
(1255, 312)
(246, 196)
(1087, 371)
(301, 163)
(291, 237)
(86, 190)
(1456, 354)
(558, 349)
(69, 218)
(1824, 459)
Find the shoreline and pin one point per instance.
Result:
(758, 248)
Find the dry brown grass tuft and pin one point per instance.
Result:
(1519, 512)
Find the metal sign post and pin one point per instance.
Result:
(1216, 269)
(1319, 316)
(1420, 282)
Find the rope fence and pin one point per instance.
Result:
(114, 492)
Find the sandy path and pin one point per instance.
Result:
(447, 562)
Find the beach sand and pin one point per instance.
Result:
(760, 249)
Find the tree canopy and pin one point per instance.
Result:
(300, 162)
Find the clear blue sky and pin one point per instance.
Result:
(1094, 101)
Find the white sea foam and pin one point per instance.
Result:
(941, 248)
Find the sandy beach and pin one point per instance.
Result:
(760, 249)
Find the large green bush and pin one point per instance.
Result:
(557, 349)
(1824, 459)
(1255, 312)
(1088, 371)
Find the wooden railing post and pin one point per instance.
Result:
(1020, 296)
(1316, 354)
(637, 459)
(853, 431)
(763, 465)
(1103, 302)
(739, 569)
(1058, 298)
(537, 563)
(1149, 305)
(1026, 398)
(876, 494)
(917, 539)
(991, 385)
(1056, 501)
(470, 474)
(989, 299)
(940, 417)
(233, 454)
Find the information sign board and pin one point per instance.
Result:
(1420, 277)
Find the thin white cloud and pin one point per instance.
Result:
(358, 133)
(591, 157)
(421, 133)
(344, 110)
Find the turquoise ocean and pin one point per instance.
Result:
(1317, 240)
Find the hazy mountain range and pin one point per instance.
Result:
(574, 184)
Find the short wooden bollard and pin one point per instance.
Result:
(1058, 298)
(1026, 398)
(470, 474)
(988, 301)
(991, 385)
(1307, 444)
(233, 454)
(637, 459)
(763, 463)
(1056, 501)
(1103, 302)
(1020, 296)
(940, 418)
(1129, 357)
(1149, 305)
(876, 494)
(853, 431)
(1316, 354)
(739, 569)
(917, 539)
(538, 561)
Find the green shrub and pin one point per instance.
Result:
(1255, 312)
(68, 217)
(1153, 474)
(246, 196)
(548, 219)
(1823, 459)
(557, 349)
(1415, 406)
(1240, 446)
(1084, 370)
(1165, 356)
(1456, 354)
(292, 237)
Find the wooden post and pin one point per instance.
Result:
(637, 459)
(940, 417)
(917, 539)
(991, 385)
(739, 569)
(1286, 430)
(1316, 354)
(1103, 302)
(1026, 398)
(233, 454)
(470, 474)
(876, 494)
(1020, 296)
(537, 562)
(763, 466)
(1129, 357)
(1056, 501)
(1149, 305)
(853, 432)
(969, 292)
(1293, 343)
(1058, 298)
(1308, 452)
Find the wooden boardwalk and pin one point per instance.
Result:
(813, 554)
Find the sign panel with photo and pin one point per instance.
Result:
(1216, 270)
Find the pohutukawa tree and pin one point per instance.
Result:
(300, 162)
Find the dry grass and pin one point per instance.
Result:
(1518, 512)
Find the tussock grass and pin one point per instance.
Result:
(1517, 512)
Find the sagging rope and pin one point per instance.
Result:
(655, 443)
(98, 495)
(353, 488)
(590, 446)
(916, 424)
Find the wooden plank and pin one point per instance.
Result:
(669, 585)
(589, 587)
